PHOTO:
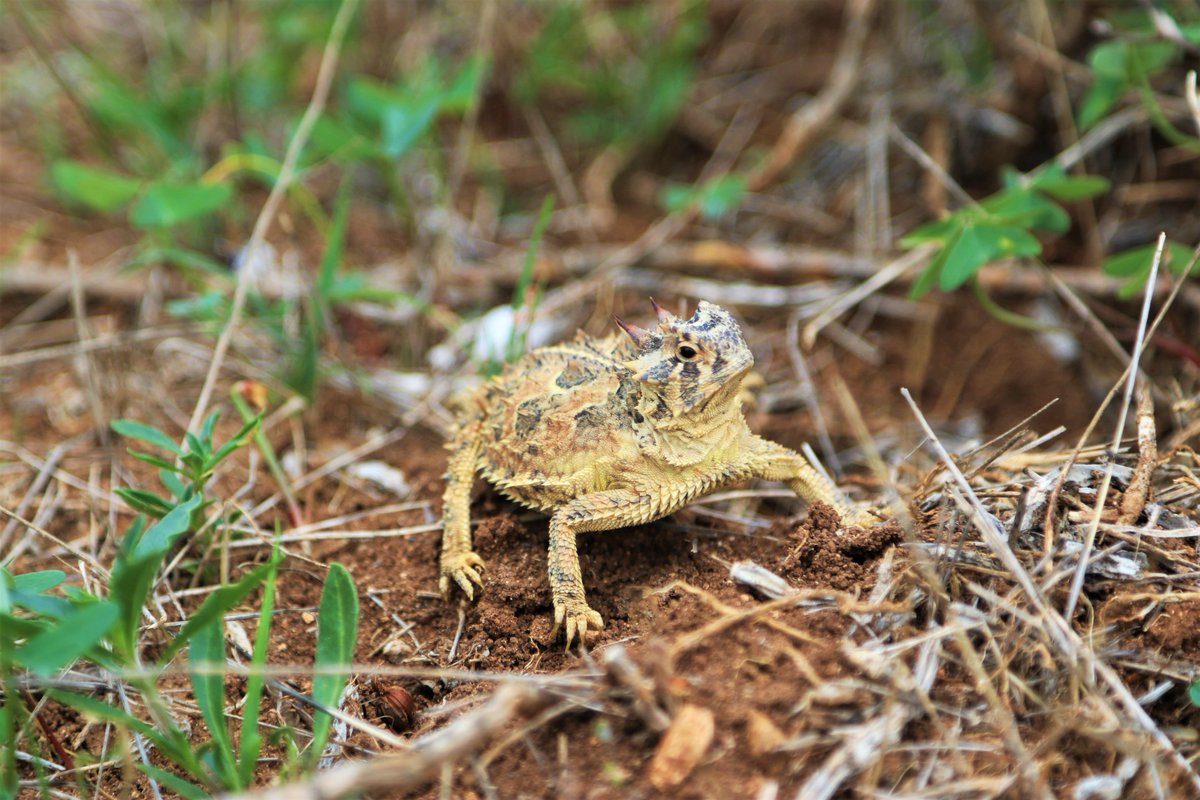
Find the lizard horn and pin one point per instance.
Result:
(639, 335)
(663, 314)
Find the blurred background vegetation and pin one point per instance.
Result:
(146, 135)
(486, 175)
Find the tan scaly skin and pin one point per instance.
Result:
(607, 433)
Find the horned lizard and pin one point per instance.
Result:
(606, 433)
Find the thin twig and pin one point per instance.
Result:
(402, 772)
(1126, 400)
(287, 174)
(810, 120)
(1193, 100)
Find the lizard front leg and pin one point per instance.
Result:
(777, 463)
(459, 563)
(599, 511)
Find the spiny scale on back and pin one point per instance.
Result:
(605, 433)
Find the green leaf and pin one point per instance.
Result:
(404, 123)
(46, 605)
(208, 687)
(176, 784)
(129, 584)
(1071, 188)
(464, 87)
(145, 502)
(214, 607)
(715, 198)
(721, 195)
(196, 446)
(1194, 693)
(70, 638)
(336, 242)
(137, 430)
(964, 258)
(170, 479)
(95, 188)
(161, 463)
(1099, 100)
(136, 565)
(1131, 262)
(1006, 240)
(163, 535)
(164, 204)
(251, 741)
(1110, 59)
(206, 431)
(1139, 260)
(676, 197)
(304, 356)
(1134, 265)
(36, 582)
(334, 138)
(352, 287)
(943, 230)
(173, 742)
(929, 277)
(337, 631)
(1023, 207)
(239, 439)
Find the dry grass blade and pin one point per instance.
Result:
(865, 744)
(1118, 434)
(286, 175)
(810, 120)
(1133, 502)
(1085, 666)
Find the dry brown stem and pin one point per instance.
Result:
(400, 772)
(811, 119)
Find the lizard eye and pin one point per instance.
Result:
(687, 353)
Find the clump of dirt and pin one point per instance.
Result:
(1176, 628)
(823, 554)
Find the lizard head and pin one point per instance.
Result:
(690, 363)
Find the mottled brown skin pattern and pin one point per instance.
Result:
(607, 433)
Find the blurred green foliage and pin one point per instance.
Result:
(625, 71)
(1001, 226)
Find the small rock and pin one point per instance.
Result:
(383, 475)
(762, 734)
(761, 580)
(682, 747)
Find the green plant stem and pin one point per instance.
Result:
(163, 720)
(9, 715)
(1004, 315)
(251, 742)
(268, 453)
(269, 168)
(516, 338)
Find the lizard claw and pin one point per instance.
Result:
(864, 516)
(463, 569)
(578, 618)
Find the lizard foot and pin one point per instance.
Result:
(861, 516)
(463, 569)
(578, 618)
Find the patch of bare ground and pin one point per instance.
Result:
(914, 638)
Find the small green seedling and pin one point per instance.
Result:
(186, 477)
(1003, 225)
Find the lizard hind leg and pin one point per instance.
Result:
(460, 565)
